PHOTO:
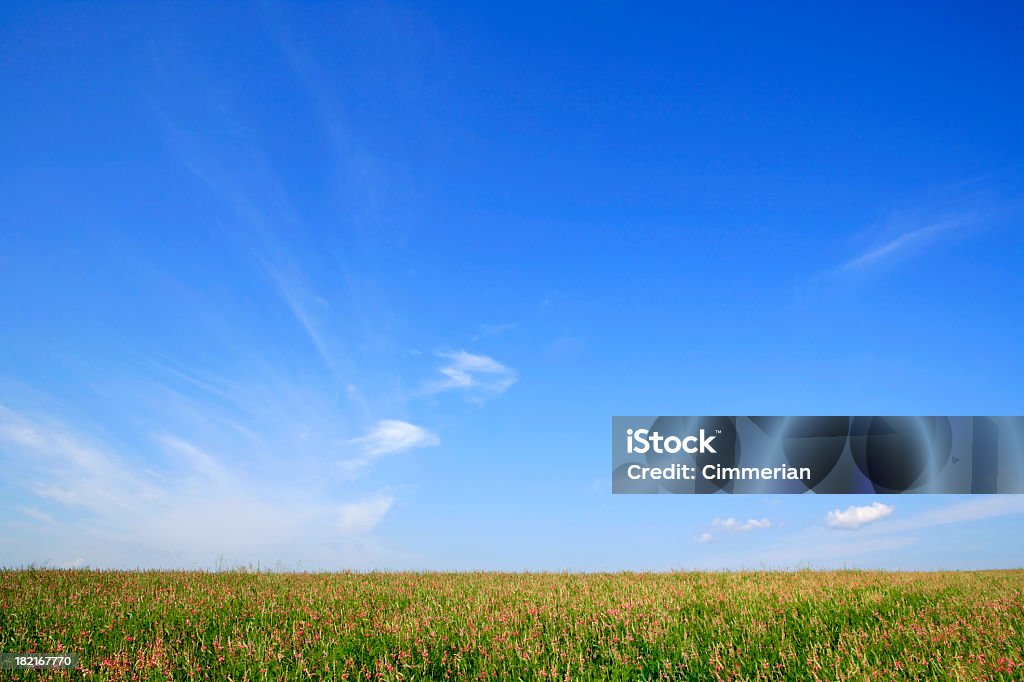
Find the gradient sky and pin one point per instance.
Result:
(361, 285)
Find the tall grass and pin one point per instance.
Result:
(451, 626)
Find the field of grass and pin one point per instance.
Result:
(625, 626)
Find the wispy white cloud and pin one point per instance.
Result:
(875, 542)
(37, 514)
(359, 518)
(731, 525)
(387, 437)
(854, 517)
(906, 242)
(487, 330)
(481, 375)
(392, 435)
(19, 432)
(987, 507)
(195, 459)
(301, 304)
(187, 506)
(909, 236)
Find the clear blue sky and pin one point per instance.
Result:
(362, 284)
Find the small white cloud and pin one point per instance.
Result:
(482, 374)
(392, 435)
(854, 517)
(704, 538)
(742, 526)
(388, 436)
(359, 518)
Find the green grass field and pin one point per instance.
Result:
(625, 626)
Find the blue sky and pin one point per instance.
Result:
(361, 285)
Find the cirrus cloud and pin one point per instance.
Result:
(481, 375)
(390, 436)
(180, 505)
(359, 518)
(387, 437)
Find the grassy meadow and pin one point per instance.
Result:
(846, 625)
